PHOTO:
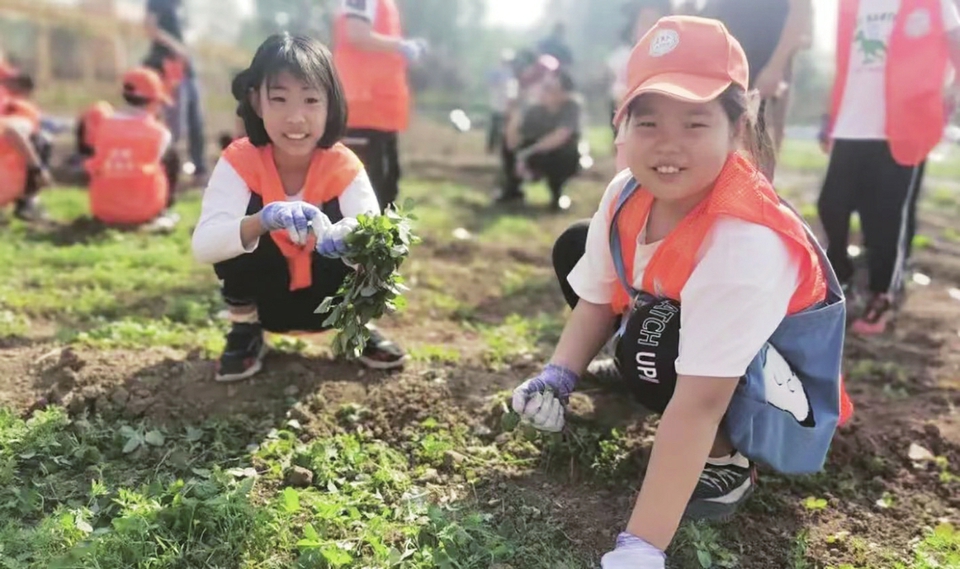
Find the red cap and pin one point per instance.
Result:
(685, 57)
(145, 83)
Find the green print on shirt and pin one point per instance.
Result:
(873, 46)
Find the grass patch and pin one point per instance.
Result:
(431, 353)
(89, 494)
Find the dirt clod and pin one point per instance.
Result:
(299, 477)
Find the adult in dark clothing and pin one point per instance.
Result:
(542, 140)
(169, 56)
(771, 32)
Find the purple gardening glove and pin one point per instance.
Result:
(633, 553)
(541, 400)
(333, 242)
(295, 217)
(413, 49)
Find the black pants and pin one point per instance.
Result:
(863, 177)
(262, 279)
(381, 158)
(648, 367)
(557, 166)
(44, 149)
(495, 132)
(171, 167)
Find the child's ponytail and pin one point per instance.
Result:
(755, 139)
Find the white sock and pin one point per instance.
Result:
(251, 317)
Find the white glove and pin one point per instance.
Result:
(633, 553)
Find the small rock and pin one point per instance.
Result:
(299, 477)
(291, 391)
(428, 374)
(120, 396)
(482, 431)
(453, 459)
(919, 454)
(430, 475)
(90, 392)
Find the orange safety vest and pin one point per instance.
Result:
(13, 164)
(374, 82)
(740, 191)
(916, 68)
(330, 173)
(92, 118)
(128, 185)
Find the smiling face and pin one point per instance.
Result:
(294, 113)
(676, 149)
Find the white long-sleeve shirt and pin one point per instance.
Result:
(217, 235)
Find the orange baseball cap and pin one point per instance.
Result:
(145, 83)
(685, 57)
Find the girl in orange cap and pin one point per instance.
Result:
(728, 319)
(280, 203)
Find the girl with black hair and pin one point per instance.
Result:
(290, 178)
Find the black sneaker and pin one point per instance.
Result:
(724, 484)
(243, 355)
(381, 353)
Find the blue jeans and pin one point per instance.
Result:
(187, 103)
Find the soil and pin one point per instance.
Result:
(905, 385)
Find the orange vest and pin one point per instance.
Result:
(92, 118)
(374, 82)
(128, 185)
(916, 67)
(330, 172)
(740, 191)
(13, 164)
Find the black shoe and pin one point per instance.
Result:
(510, 198)
(604, 371)
(243, 355)
(724, 484)
(381, 353)
(29, 210)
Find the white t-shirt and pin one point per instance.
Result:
(617, 63)
(365, 9)
(734, 300)
(861, 115)
(217, 235)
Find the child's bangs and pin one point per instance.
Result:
(296, 60)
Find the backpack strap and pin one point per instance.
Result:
(616, 248)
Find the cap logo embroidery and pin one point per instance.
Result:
(664, 42)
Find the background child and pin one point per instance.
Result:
(293, 179)
(24, 151)
(887, 114)
(705, 328)
(134, 169)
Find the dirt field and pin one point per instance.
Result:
(316, 463)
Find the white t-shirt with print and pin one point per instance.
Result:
(217, 235)
(861, 115)
(364, 9)
(734, 300)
